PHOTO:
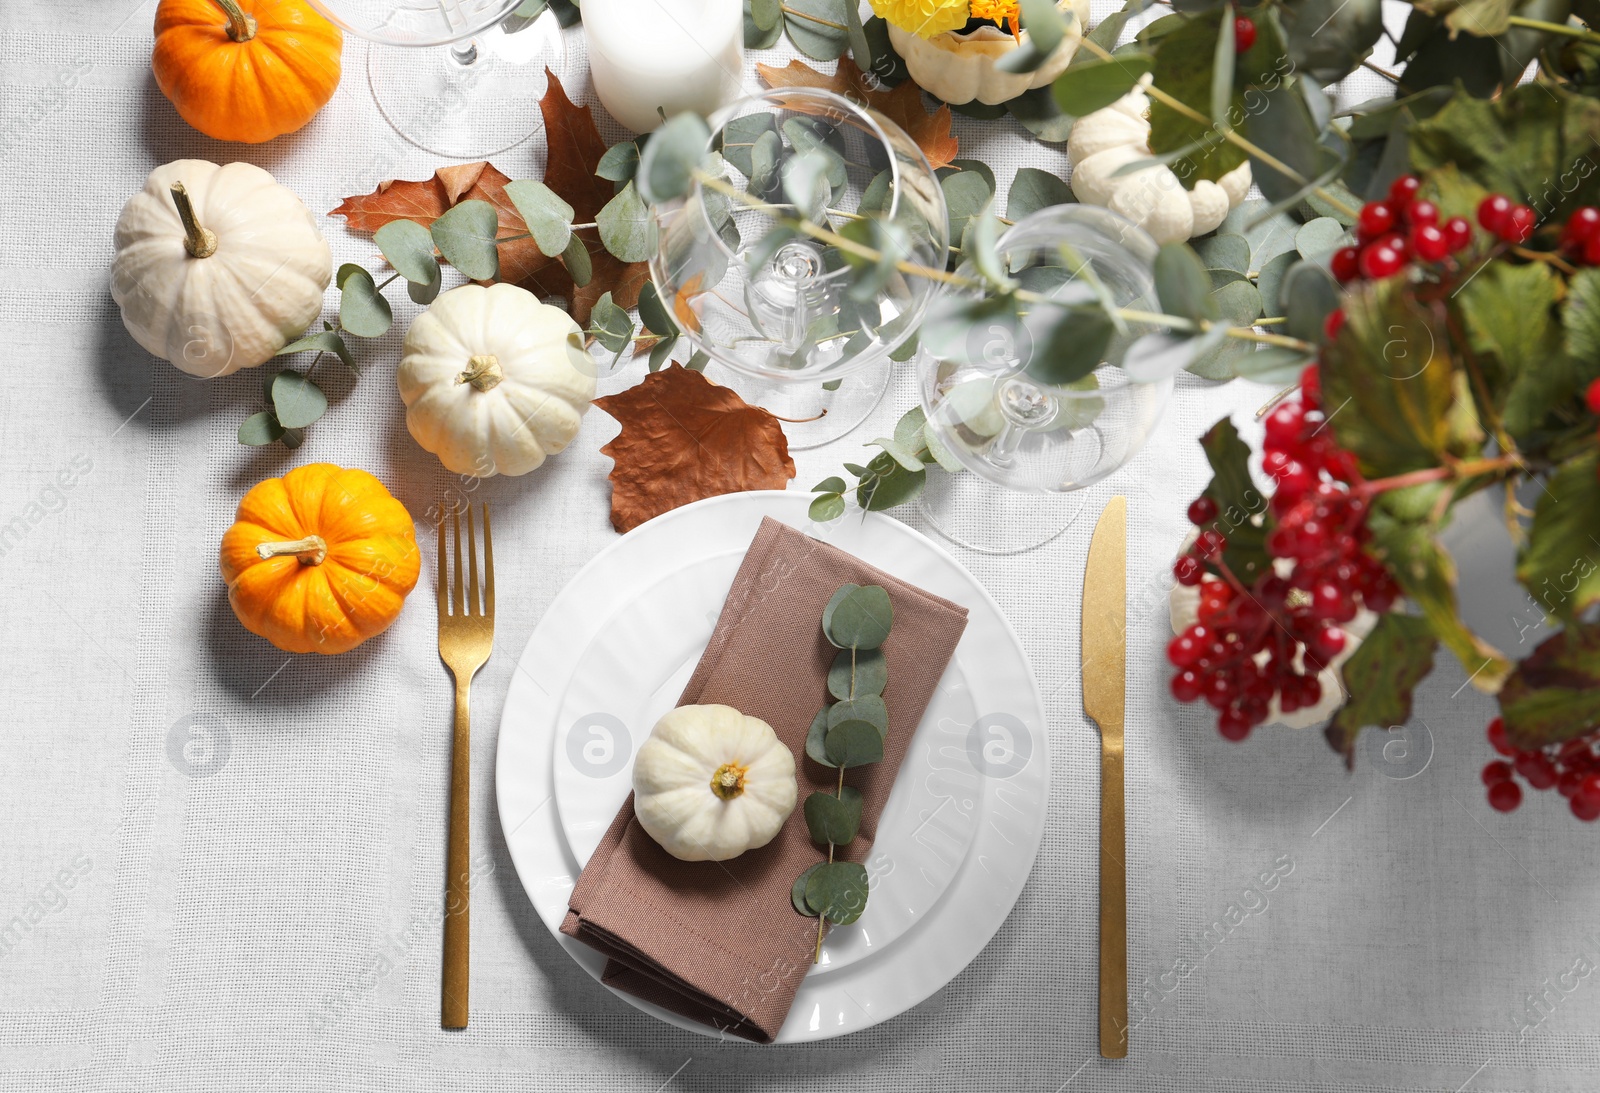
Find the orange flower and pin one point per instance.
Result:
(1000, 12)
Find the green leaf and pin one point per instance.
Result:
(1184, 58)
(1038, 113)
(549, 218)
(853, 744)
(1581, 316)
(890, 485)
(1238, 303)
(1272, 364)
(296, 400)
(661, 353)
(1554, 693)
(580, 267)
(1284, 128)
(1271, 276)
(465, 235)
(966, 194)
(326, 342)
(1319, 238)
(619, 164)
(754, 36)
(1379, 678)
(1155, 356)
(1075, 346)
(671, 157)
(823, 36)
(1182, 285)
(865, 669)
(363, 311)
(1094, 85)
(856, 35)
(1558, 563)
(260, 429)
(1389, 384)
(1033, 190)
(627, 229)
(611, 325)
(900, 453)
(738, 137)
(838, 891)
(1044, 24)
(1225, 250)
(425, 292)
(1329, 38)
(1517, 145)
(797, 892)
(858, 617)
(407, 246)
(817, 737)
(834, 820)
(1222, 69)
(1309, 294)
(864, 707)
(806, 185)
(834, 484)
(653, 313)
(1241, 507)
(826, 507)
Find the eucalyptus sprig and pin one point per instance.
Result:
(849, 732)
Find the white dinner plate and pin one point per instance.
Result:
(615, 649)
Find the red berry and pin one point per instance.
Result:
(1244, 34)
(1497, 738)
(1234, 724)
(1536, 767)
(1333, 324)
(1327, 642)
(1505, 796)
(1344, 264)
(1377, 218)
(1519, 226)
(1210, 543)
(1591, 250)
(1217, 691)
(1457, 233)
(1403, 190)
(1184, 649)
(1429, 243)
(1379, 260)
(1311, 385)
(1187, 570)
(1590, 788)
(1569, 783)
(1581, 226)
(1591, 397)
(1422, 214)
(1494, 213)
(1497, 771)
(1202, 510)
(1397, 242)
(1586, 809)
(1283, 425)
(1186, 685)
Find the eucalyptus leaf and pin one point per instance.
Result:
(611, 325)
(653, 313)
(818, 27)
(966, 194)
(661, 353)
(1222, 65)
(838, 891)
(1157, 355)
(797, 891)
(619, 164)
(424, 292)
(890, 485)
(1182, 284)
(864, 707)
(1319, 238)
(864, 670)
(834, 820)
(1084, 88)
(580, 267)
(858, 617)
(853, 744)
(363, 310)
(738, 137)
(326, 342)
(296, 400)
(1309, 294)
(806, 185)
(1037, 111)
(1271, 277)
(827, 506)
(754, 36)
(1225, 251)
(466, 235)
(1274, 364)
(1075, 346)
(549, 218)
(1033, 189)
(407, 246)
(901, 454)
(671, 157)
(627, 229)
(816, 739)
(260, 429)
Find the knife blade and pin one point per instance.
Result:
(1104, 658)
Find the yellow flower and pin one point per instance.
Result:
(997, 11)
(924, 18)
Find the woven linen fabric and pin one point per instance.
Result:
(222, 866)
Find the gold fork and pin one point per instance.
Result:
(466, 637)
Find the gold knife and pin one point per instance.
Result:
(1104, 656)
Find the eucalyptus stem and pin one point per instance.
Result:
(1566, 29)
(787, 10)
(1229, 135)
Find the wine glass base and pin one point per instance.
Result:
(811, 415)
(471, 100)
(973, 512)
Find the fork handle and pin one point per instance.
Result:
(458, 869)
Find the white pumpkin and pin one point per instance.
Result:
(217, 268)
(1153, 197)
(1183, 607)
(958, 66)
(493, 380)
(711, 783)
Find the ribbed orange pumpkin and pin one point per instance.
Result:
(246, 70)
(320, 560)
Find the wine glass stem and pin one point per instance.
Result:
(465, 53)
(1005, 444)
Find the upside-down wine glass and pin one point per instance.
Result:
(810, 336)
(1039, 440)
(459, 78)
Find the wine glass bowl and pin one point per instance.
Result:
(417, 23)
(799, 305)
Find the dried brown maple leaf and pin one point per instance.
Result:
(902, 105)
(574, 150)
(683, 439)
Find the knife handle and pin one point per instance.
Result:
(1113, 904)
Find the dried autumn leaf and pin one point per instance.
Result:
(683, 439)
(575, 147)
(901, 105)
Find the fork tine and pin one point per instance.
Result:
(455, 578)
(473, 606)
(444, 586)
(488, 565)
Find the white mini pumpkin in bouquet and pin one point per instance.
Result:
(1154, 197)
(952, 47)
(494, 381)
(217, 268)
(711, 783)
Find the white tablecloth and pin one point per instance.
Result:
(262, 914)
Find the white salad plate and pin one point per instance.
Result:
(962, 826)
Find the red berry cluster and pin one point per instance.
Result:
(1571, 767)
(1391, 232)
(1500, 216)
(1580, 236)
(1242, 652)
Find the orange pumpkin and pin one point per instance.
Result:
(246, 70)
(320, 560)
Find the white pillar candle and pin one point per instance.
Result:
(673, 54)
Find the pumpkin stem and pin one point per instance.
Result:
(199, 242)
(483, 372)
(311, 550)
(241, 27)
(728, 781)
